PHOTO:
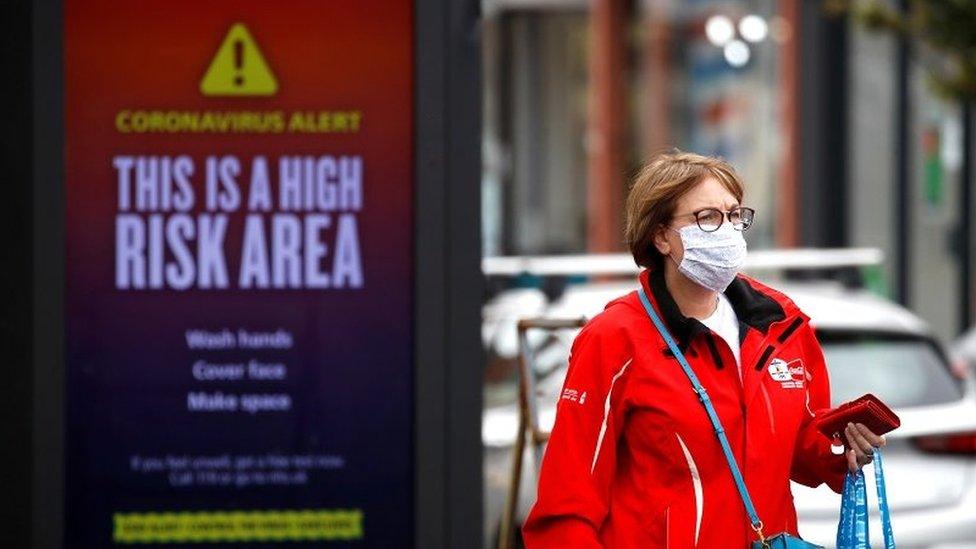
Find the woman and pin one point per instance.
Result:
(633, 460)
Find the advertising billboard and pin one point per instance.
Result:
(239, 272)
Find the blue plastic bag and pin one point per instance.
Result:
(852, 530)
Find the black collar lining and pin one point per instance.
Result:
(752, 307)
(682, 328)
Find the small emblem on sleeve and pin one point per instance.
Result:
(573, 395)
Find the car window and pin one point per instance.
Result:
(902, 371)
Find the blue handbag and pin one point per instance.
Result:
(785, 541)
(778, 541)
(852, 531)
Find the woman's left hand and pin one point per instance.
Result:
(861, 443)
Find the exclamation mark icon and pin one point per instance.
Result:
(239, 62)
(238, 68)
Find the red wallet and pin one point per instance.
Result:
(867, 410)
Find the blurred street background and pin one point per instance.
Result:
(851, 124)
(835, 127)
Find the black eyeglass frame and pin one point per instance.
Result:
(746, 217)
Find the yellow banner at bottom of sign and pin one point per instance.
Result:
(235, 526)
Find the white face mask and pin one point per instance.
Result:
(712, 259)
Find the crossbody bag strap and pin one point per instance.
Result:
(757, 524)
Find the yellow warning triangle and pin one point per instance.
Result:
(238, 69)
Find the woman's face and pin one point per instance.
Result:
(710, 193)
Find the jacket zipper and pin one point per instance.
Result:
(769, 408)
(767, 352)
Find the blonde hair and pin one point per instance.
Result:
(655, 192)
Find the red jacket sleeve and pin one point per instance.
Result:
(813, 462)
(580, 459)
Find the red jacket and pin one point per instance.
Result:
(633, 460)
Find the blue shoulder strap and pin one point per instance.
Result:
(712, 415)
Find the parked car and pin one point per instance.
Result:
(872, 346)
(964, 352)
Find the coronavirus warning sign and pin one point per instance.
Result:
(238, 68)
(239, 273)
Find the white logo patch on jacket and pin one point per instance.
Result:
(791, 375)
(574, 396)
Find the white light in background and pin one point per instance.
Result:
(737, 53)
(719, 30)
(753, 28)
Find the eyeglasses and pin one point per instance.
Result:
(710, 219)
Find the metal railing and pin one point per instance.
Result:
(530, 433)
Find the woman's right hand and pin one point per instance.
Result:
(861, 443)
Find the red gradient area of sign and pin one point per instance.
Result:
(325, 56)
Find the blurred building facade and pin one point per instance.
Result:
(834, 128)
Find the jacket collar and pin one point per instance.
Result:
(753, 307)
